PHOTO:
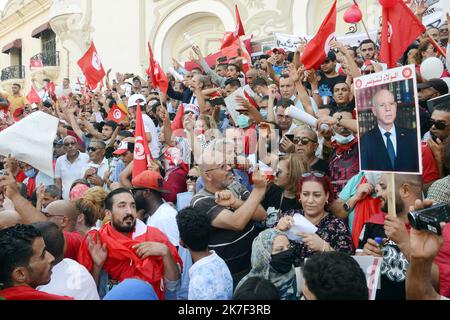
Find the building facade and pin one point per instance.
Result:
(58, 32)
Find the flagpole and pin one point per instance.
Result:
(363, 23)
(437, 46)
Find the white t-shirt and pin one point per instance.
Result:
(69, 172)
(69, 278)
(164, 219)
(149, 126)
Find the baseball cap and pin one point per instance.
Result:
(191, 108)
(437, 84)
(279, 50)
(132, 101)
(123, 148)
(149, 180)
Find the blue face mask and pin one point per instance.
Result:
(243, 121)
(263, 113)
(343, 140)
(31, 173)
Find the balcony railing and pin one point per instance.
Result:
(13, 72)
(48, 58)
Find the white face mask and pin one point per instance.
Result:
(343, 140)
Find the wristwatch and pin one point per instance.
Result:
(316, 92)
(347, 207)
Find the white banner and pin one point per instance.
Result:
(31, 140)
(290, 42)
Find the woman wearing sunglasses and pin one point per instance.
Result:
(332, 235)
(281, 194)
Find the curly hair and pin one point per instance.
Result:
(335, 276)
(91, 204)
(195, 228)
(16, 249)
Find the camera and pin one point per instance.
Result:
(430, 218)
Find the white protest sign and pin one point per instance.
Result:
(372, 270)
(232, 105)
(290, 42)
(31, 140)
(301, 224)
(435, 14)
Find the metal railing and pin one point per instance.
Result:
(13, 72)
(48, 58)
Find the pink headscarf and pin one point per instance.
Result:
(77, 191)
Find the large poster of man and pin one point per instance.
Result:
(388, 121)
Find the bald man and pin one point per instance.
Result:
(388, 147)
(64, 214)
(9, 218)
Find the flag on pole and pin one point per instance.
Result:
(142, 154)
(230, 37)
(177, 122)
(400, 28)
(316, 50)
(156, 74)
(92, 67)
(33, 96)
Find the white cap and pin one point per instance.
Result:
(132, 101)
(191, 108)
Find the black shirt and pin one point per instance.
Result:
(393, 267)
(275, 204)
(234, 247)
(326, 85)
(321, 165)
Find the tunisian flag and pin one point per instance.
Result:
(156, 74)
(33, 96)
(142, 154)
(316, 50)
(400, 27)
(177, 123)
(239, 31)
(92, 67)
(116, 114)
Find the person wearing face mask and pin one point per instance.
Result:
(273, 259)
(344, 159)
(30, 180)
(332, 233)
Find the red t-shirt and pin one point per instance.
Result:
(28, 293)
(73, 243)
(20, 176)
(430, 171)
(443, 262)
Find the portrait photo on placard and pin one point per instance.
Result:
(388, 121)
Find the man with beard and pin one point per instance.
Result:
(344, 159)
(25, 264)
(126, 248)
(388, 237)
(231, 217)
(388, 147)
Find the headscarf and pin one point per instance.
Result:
(260, 260)
(77, 191)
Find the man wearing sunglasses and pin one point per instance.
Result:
(69, 167)
(306, 144)
(440, 131)
(98, 165)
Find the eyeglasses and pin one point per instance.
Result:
(440, 125)
(92, 149)
(316, 174)
(192, 178)
(68, 144)
(368, 71)
(303, 140)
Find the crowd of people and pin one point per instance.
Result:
(209, 219)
